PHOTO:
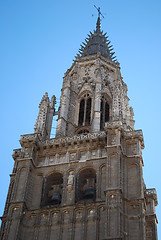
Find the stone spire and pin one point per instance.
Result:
(97, 43)
(98, 25)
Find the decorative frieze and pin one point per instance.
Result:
(76, 138)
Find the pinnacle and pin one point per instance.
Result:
(98, 25)
(45, 98)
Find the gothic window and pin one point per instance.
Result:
(52, 192)
(85, 111)
(81, 112)
(86, 185)
(105, 116)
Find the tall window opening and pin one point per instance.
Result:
(86, 185)
(85, 111)
(105, 112)
(52, 192)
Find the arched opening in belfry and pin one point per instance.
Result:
(52, 189)
(85, 111)
(86, 185)
(105, 112)
(83, 131)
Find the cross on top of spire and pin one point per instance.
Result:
(99, 12)
(98, 25)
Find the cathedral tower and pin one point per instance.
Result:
(87, 182)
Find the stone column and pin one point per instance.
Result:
(11, 228)
(64, 107)
(113, 191)
(97, 101)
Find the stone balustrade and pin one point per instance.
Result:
(151, 193)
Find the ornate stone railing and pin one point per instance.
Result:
(22, 153)
(113, 124)
(29, 137)
(151, 192)
(17, 151)
(134, 133)
(76, 138)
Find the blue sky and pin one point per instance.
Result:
(38, 41)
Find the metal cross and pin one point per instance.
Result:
(99, 11)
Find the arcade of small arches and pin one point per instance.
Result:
(84, 184)
(85, 110)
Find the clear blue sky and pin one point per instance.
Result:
(39, 39)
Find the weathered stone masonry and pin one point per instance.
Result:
(87, 182)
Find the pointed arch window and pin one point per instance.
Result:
(85, 111)
(105, 112)
(86, 185)
(52, 189)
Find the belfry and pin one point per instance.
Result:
(87, 182)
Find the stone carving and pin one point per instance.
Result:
(76, 138)
(113, 124)
(135, 133)
(104, 165)
(70, 181)
(33, 136)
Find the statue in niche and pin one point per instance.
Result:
(70, 181)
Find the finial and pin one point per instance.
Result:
(99, 12)
(98, 26)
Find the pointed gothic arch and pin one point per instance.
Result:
(86, 184)
(85, 105)
(105, 107)
(52, 189)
